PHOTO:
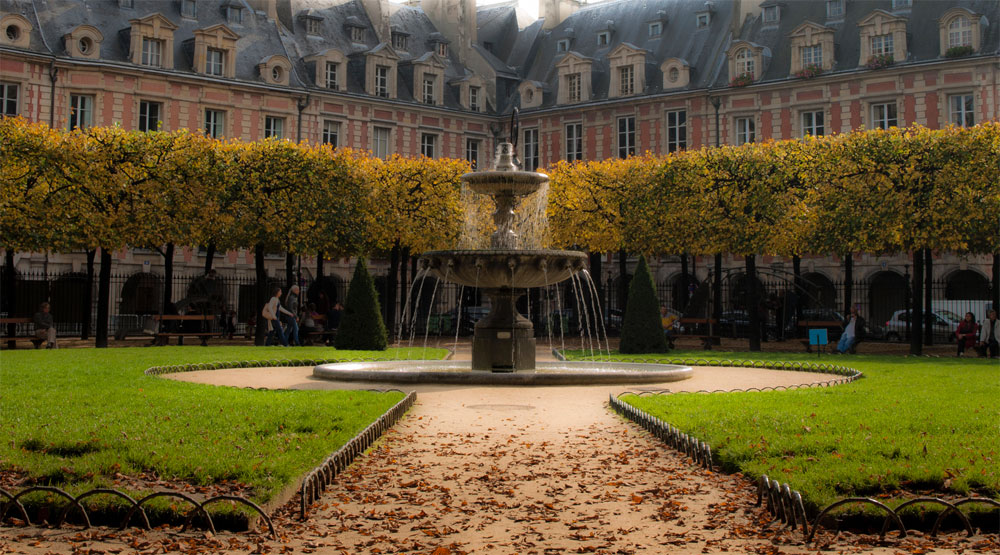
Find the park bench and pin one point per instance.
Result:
(20, 332)
(829, 325)
(707, 340)
(324, 335)
(162, 337)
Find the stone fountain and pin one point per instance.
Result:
(504, 341)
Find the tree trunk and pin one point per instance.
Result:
(262, 294)
(9, 290)
(928, 290)
(797, 272)
(622, 279)
(717, 290)
(103, 299)
(319, 265)
(684, 283)
(917, 313)
(168, 277)
(848, 282)
(753, 302)
(995, 285)
(88, 296)
(392, 290)
(289, 270)
(209, 257)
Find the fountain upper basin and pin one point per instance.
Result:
(500, 182)
(503, 268)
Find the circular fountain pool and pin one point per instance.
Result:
(545, 373)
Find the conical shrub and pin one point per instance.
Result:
(642, 330)
(361, 326)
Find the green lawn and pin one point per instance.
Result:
(911, 425)
(82, 418)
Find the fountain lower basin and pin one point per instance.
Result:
(545, 373)
(505, 268)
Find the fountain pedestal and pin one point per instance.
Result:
(504, 340)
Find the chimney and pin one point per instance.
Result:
(555, 12)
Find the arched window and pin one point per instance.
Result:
(744, 62)
(960, 32)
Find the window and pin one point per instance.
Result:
(673, 75)
(626, 80)
(901, 4)
(331, 133)
(215, 123)
(812, 124)
(274, 127)
(189, 8)
(959, 32)
(884, 116)
(655, 29)
(573, 87)
(81, 111)
(701, 20)
(770, 14)
(331, 75)
(277, 74)
(234, 15)
(312, 26)
(152, 52)
(812, 55)
(380, 139)
(428, 89)
(85, 45)
(745, 131)
(574, 142)
(474, 98)
(676, 130)
(562, 45)
(834, 9)
(399, 41)
(530, 149)
(472, 152)
(215, 62)
(8, 99)
(427, 143)
(744, 62)
(126, 3)
(357, 34)
(488, 46)
(603, 38)
(882, 45)
(149, 115)
(442, 49)
(382, 81)
(13, 32)
(626, 137)
(962, 110)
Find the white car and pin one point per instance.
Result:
(944, 323)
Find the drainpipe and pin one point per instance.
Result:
(302, 104)
(53, 75)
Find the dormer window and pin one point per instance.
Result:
(16, 31)
(702, 20)
(312, 26)
(834, 9)
(13, 33)
(277, 73)
(812, 55)
(655, 29)
(442, 49)
(882, 45)
(562, 45)
(573, 87)
(399, 41)
(744, 62)
(603, 38)
(626, 76)
(234, 14)
(128, 4)
(771, 14)
(152, 52)
(428, 89)
(474, 98)
(215, 62)
(901, 4)
(85, 46)
(331, 78)
(382, 81)
(358, 34)
(960, 32)
(189, 8)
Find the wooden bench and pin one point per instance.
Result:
(13, 339)
(707, 341)
(819, 324)
(162, 338)
(324, 335)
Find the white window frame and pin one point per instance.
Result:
(331, 76)
(959, 36)
(574, 87)
(215, 62)
(813, 123)
(330, 135)
(834, 9)
(81, 111)
(274, 126)
(472, 150)
(428, 88)
(234, 15)
(626, 80)
(884, 115)
(399, 41)
(358, 34)
(901, 4)
(745, 63)
(152, 52)
(428, 144)
(626, 136)
(474, 93)
(882, 45)
(145, 109)
(382, 81)
(812, 55)
(531, 149)
(574, 142)
(10, 99)
(771, 14)
(189, 9)
(604, 38)
(676, 130)
(312, 26)
(381, 141)
(215, 123)
(962, 109)
(745, 128)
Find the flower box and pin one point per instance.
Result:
(808, 72)
(742, 80)
(880, 61)
(958, 51)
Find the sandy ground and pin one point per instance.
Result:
(508, 470)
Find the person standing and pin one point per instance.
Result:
(291, 322)
(989, 336)
(272, 311)
(45, 327)
(854, 327)
(965, 335)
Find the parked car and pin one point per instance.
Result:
(736, 323)
(944, 323)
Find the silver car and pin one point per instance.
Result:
(944, 323)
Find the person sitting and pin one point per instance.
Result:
(989, 336)
(45, 327)
(854, 327)
(966, 334)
